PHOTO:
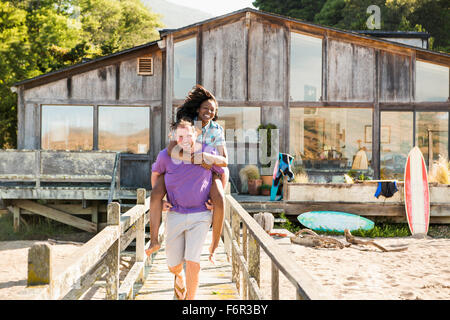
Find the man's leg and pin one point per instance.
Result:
(156, 206)
(192, 273)
(179, 283)
(217, 196)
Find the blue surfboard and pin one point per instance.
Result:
(334, 221)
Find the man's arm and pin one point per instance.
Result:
(154, 177)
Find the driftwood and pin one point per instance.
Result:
(351, 239)
(309, 238)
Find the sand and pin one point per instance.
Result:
(14, 263)
(421, 272)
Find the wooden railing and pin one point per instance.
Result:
(244, 247)
(98, 257)
(58, 166)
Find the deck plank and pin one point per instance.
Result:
(214, 280)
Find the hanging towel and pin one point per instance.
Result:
(386, 189)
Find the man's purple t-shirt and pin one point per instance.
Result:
(187, 184)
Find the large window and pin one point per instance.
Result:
(67, 127)
(305, 68)
(396, 140)
(431, 82)
(331, 141)
(185, 66)
(241, 124)
(432, 134)
(125, 129)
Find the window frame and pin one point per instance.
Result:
(323, 62)
(67, 105)
(132, 106)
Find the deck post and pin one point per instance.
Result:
(244, 252)
(16, 218)
(254, 258)
(140, 233)
(39, 264)
(275, 282)
(113, 255)
(235, 225)
(226, 237)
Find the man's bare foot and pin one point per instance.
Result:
(153, 248)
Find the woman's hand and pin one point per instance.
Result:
(166, 206)
(209, 205)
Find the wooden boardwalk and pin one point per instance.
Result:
(214, 280)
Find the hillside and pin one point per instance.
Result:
(175, 16)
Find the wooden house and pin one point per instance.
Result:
(341, 100)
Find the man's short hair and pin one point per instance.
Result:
(184, 122)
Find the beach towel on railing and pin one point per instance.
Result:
(282, 168)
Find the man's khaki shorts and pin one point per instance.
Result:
(185, 236)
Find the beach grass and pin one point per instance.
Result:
(36, 228)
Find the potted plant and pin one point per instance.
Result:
(265, 189)
(267, 178)
(254, 179)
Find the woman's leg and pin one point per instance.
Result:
(156, 205)
(217, 196)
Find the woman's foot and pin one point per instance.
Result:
(153, 248)
(179, 288)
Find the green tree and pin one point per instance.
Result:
(40, 36)
(124, 24)
(300, 9)
(432, 16)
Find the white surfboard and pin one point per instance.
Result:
(417, 195)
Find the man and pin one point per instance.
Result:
(188, 221)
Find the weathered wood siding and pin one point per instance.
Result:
(351, 72)
(98, 84)
(32, 126)
(224, 65)
(395, 80)
(155, 134)
(135, 87)
(52, 90)
(267, 55)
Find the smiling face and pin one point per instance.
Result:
(185, 137)
(207, 111)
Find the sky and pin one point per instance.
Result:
(215, 7)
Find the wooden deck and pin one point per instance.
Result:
(214, 280)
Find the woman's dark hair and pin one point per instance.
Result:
(192, 103)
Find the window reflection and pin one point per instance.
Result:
(240, 125)
(395, 143)
(432, 126)
(331, 141)
(305, 68)
(124, 129)
(185, 66)
(431, 82)
(67, 127)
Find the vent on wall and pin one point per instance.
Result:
(145, 66)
